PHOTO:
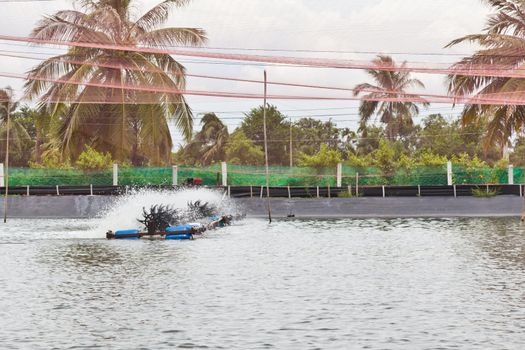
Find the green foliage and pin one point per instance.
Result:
(323, 159)
(242, 151)
(396, 116)
(208, 146)
(517, 157)
(357, 162)
(346, 194)
(52, 159)
(309, 134)
(484, 192)
(428, 158)
(467, 161)
(385, 158)
(92, 160)
(501, 164)
(278, 132)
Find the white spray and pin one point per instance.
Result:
(125, 212)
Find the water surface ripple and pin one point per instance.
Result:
(339, 284)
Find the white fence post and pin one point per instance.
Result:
(2, 182)
(175, 175)
(339, 175)
(357, 184)
(224, 168)
(511, 174)
(449, 174)
(115, 174)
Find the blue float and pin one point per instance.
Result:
(179, 237)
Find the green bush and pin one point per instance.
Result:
(92, 160)
(484, 192)
(52, 160)
(325, 158)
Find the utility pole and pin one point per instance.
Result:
(6, 171)
(266, 149)
(291, 143)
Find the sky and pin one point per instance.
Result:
(412, 30)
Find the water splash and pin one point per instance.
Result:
(125, 212)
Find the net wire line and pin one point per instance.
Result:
(488, 70)
(504, 98)
(121, 66)
(340, 141)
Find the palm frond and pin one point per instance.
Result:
(158, 14)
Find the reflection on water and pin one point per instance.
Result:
(334, 284)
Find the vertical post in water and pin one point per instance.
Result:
(449, 173)
(511, 174)
(6, 170)
(266, 149)
(339, 175)
(115, 174)
(175, 175)
(224, 170)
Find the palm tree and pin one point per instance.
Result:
(388, 85)
(502, 44)
(126, 122)
(18, 135)
(209, 144)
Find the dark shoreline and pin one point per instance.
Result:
(391, 207)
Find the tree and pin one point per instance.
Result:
(309, 134)
(208, 145)
(325, 158)
(242, 151)
(441, 137)
(278, 133)
(516, 157)
(397, 116)
(20, 141)
(124, 118)
(368, 139)
(501, 44)
(38, 125)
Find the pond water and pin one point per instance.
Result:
(305, 284)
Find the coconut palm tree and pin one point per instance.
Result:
(209, 144)
(18, 135)
(388, 84)
(502, 44)
(122, 118)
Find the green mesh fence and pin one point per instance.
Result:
(281, 176)
(256, 176)
(46, 177)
